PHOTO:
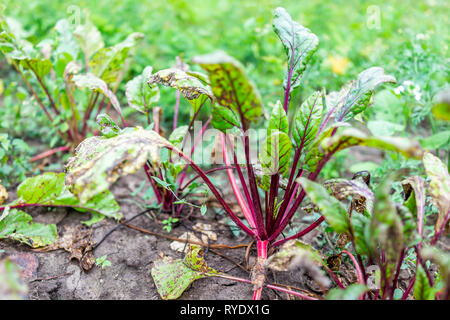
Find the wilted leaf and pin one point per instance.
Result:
(107, 125)
(18, 225)
(189, 86)
(139, 94)
(333, 211)
(231, 87)
(357, 190)
(173, 277)
(355, 96)
(298, 42)
(99, 161)
(439, 186)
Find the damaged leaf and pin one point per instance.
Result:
(139, 94)
(99, 161)
(333, 211)
(173, 277)
(189, 86)
(439, 186)
(48, 189)
(231, 87)
(18, 225)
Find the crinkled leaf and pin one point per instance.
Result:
(108, 63)
(439, 186)
(231, 87)
(189, 86)
(333, 210)
(173, 277)
(357, 190)
(107, 125)
(307, 120)
(99, 161)
(298, 42)
(352, 292)
(48, 189)
(355, 96)
(139, 94)
(18, 225)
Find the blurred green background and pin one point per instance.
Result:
(409, 38)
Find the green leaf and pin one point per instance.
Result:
(439, 188)
(40, 67)
(298, 42)
(307, 120)
(436, 141)
(107, 125)
(355, 96)
(422, 288)
(139, 94)
(350, 137)
(48, 189)
(278, 120)
(352, 292)
(384, 128)
(276, 154)
(18, 225)
(224, 118)
(89, 38)
(173, 277)
(99, 161)
(441, 105)
(231, 87)
(442, 259)
(12, 285)
(178, 135)
(96, 84)
(333, 211)
(360, 225)
(189, 86)
(108, 63)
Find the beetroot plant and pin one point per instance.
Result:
(270, 184)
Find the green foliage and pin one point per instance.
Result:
(14, 156)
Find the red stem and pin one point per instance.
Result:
(48, 153)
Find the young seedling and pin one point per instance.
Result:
(320, 128)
